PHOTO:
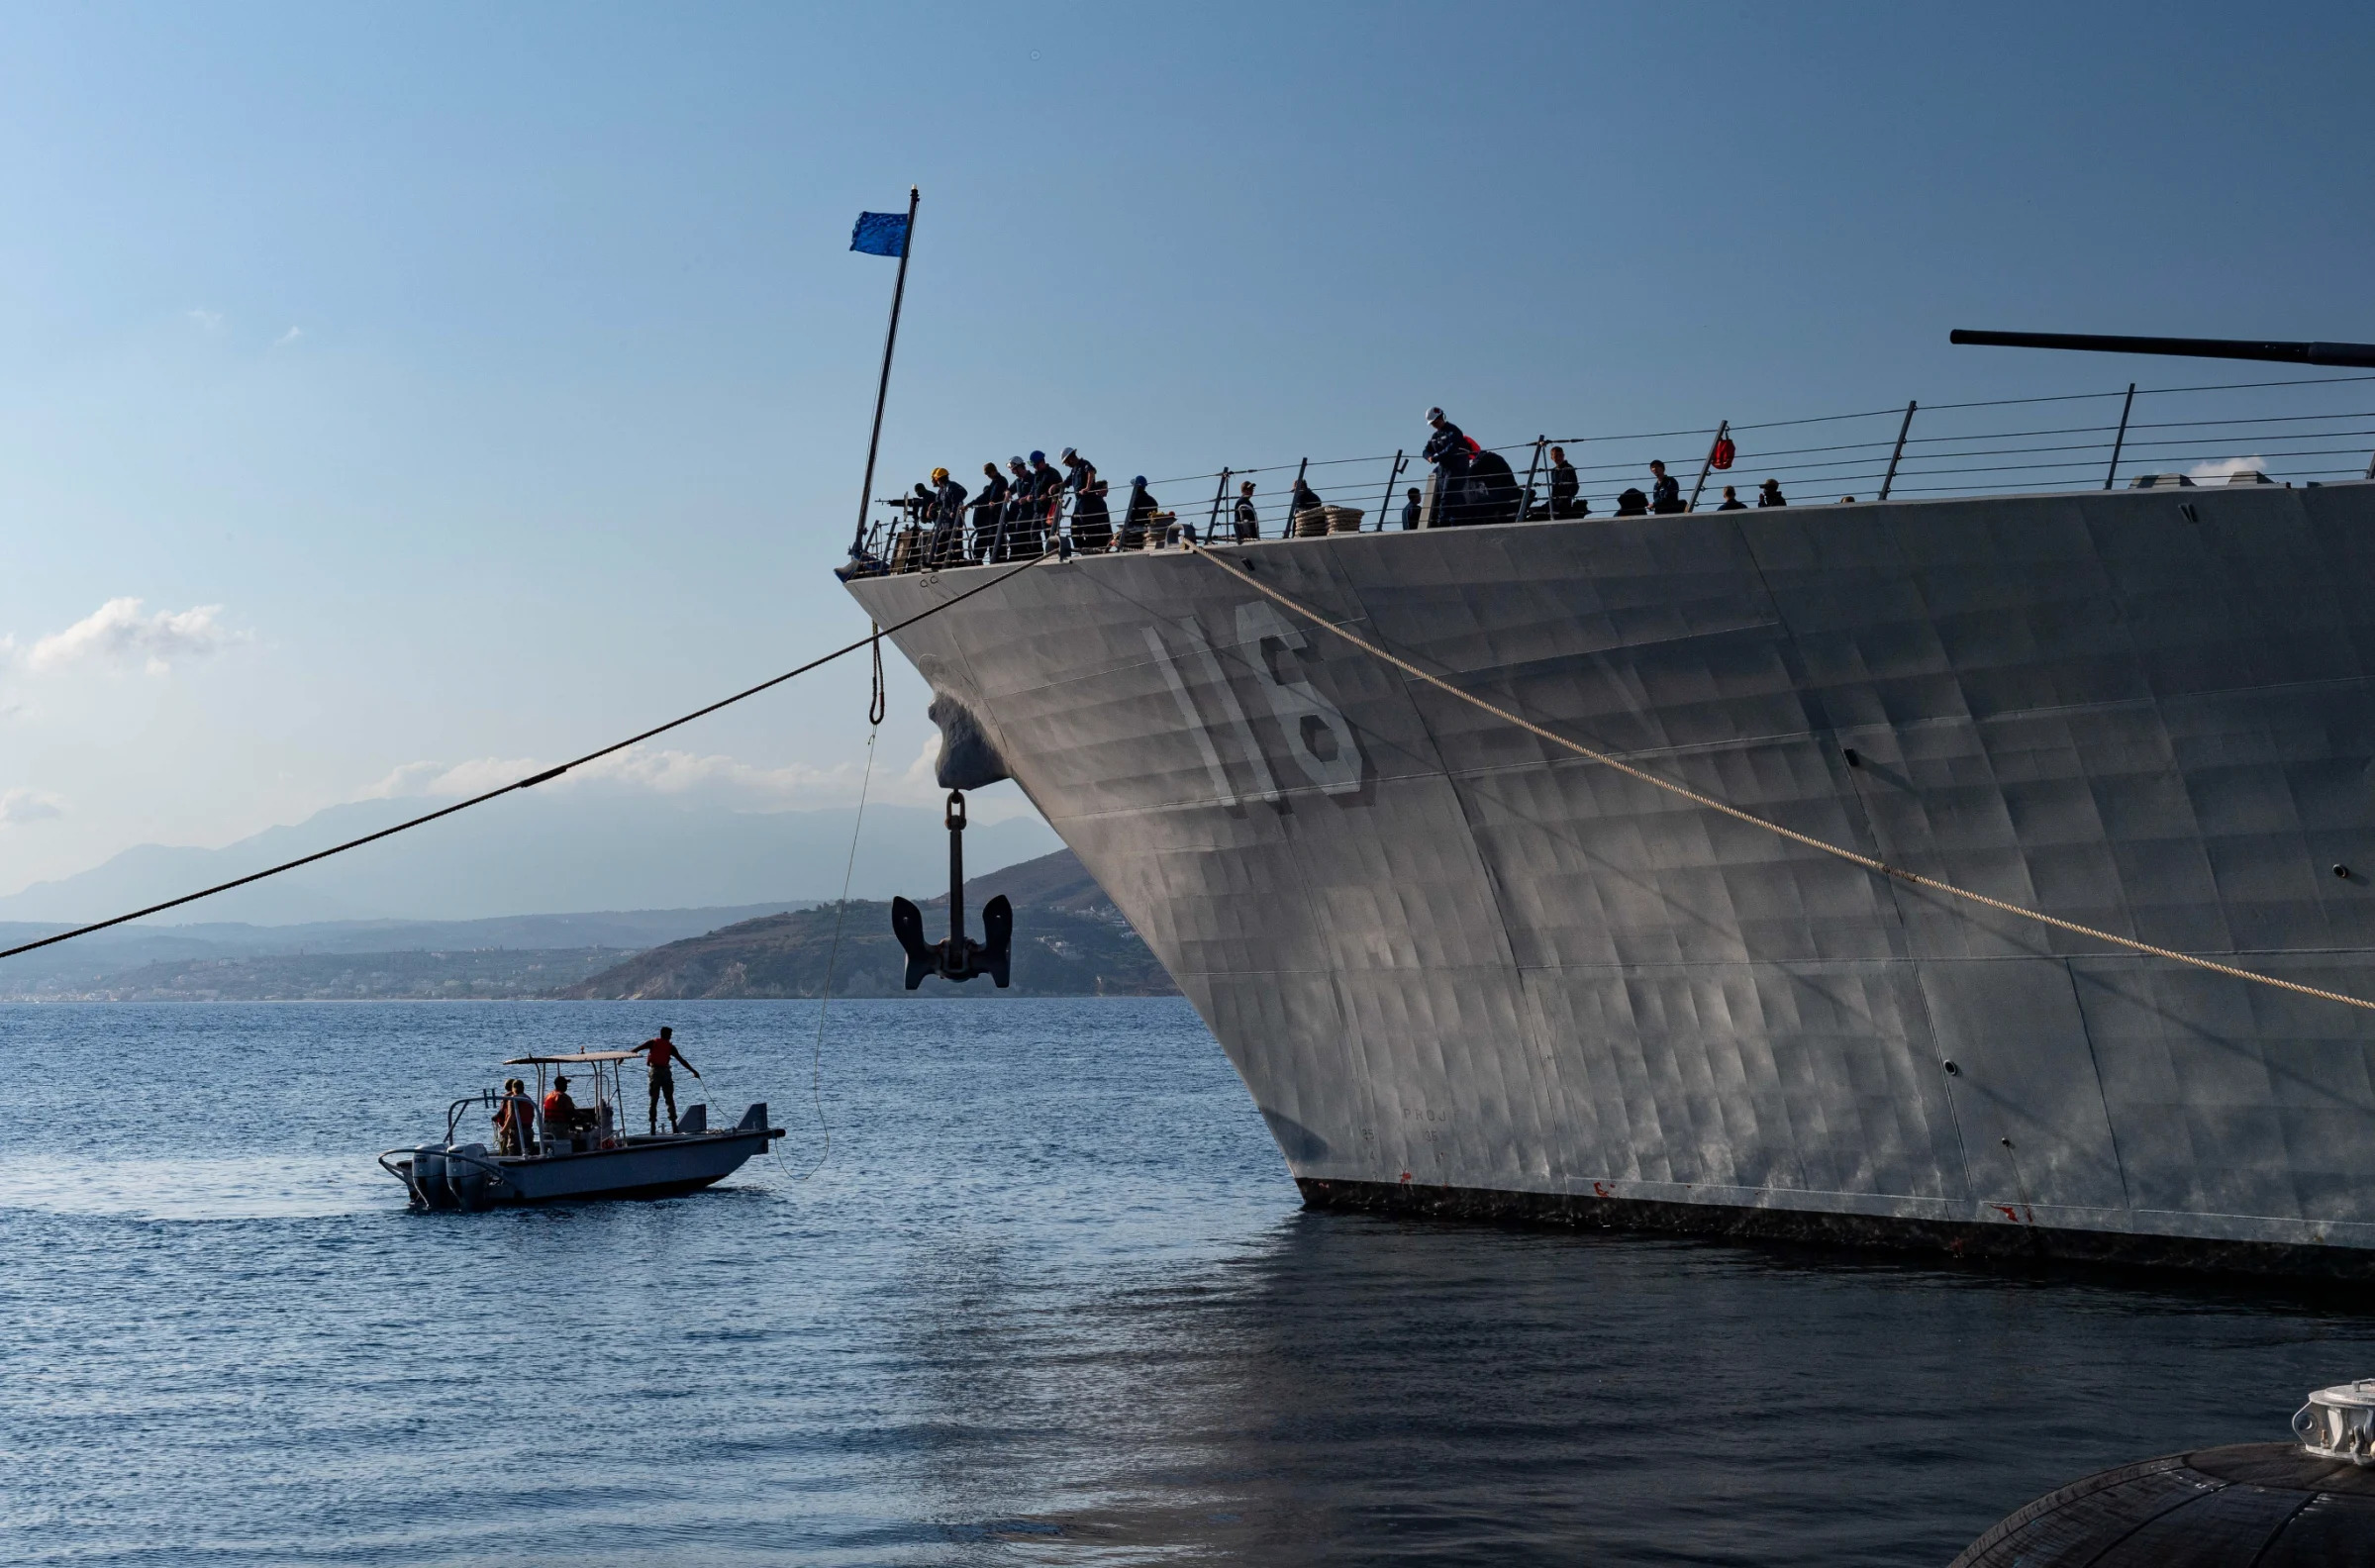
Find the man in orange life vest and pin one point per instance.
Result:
(560, 1115)
(658, 1054)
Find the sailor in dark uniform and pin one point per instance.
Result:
(989, 509)
(1665, 495)
(1136, 516)
(947, 520)
(1565, 489)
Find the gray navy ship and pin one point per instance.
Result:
(1464, 973)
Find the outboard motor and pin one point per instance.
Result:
(428, 1176)
(467, 1180)
(960, 957)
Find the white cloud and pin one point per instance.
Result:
(21, 806)
(289, 336)
(669, 772)
(2219, 472)
(642, 771)
(452, 780)
(923, 773)
(117, 633)
(206, 320)
(706, 779)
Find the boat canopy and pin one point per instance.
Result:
(580, 1059)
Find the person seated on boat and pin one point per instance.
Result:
(560, 1112)
(1666, 492)
(1632, 503)
(659, 1052)
(514, 1113)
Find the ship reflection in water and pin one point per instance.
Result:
(1051, 1300)
(1355, 1390)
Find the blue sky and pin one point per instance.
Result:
(454, 389)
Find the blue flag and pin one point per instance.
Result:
(880, 233)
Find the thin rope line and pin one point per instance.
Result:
(1877, 867)
(815, 1068)
(871, 637)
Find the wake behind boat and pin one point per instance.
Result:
(549, 1150)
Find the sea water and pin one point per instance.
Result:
(1048, 1298)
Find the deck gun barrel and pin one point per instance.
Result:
(2354, 355)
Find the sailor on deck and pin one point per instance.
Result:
(659, 1053)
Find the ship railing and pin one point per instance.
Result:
(2305, 430)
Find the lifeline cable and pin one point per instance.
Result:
(1877, 867)
(874, 637)
(833, 953)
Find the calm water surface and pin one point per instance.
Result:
(1050, 1300)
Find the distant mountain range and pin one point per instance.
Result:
(1069, 940)
(533, 851)
(224, 960)
(459, 975)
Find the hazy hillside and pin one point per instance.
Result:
(218, 959)
(1069, 940)
(483, 974)
(536, 851)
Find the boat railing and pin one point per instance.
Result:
(2300, 429)
(486, 1097)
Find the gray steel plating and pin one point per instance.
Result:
(1462, 971)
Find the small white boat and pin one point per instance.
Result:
(591, 1157)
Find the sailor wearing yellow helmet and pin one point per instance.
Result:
(947, 520)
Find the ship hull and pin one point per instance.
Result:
(1463, 971)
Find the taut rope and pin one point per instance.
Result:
(1876, 867)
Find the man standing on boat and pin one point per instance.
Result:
(659, 1053)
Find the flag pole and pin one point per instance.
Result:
(907, 248)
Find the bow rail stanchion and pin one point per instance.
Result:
(2112, 474)
(1716, 458)
(1392, 478)
(960, 957)
(1889, 480)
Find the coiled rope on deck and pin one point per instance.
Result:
(1807, 841)
(873, 639)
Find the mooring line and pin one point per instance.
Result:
(840, 911)
(1877, 867)
(873, 638)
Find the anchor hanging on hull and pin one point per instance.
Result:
(960, 957)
